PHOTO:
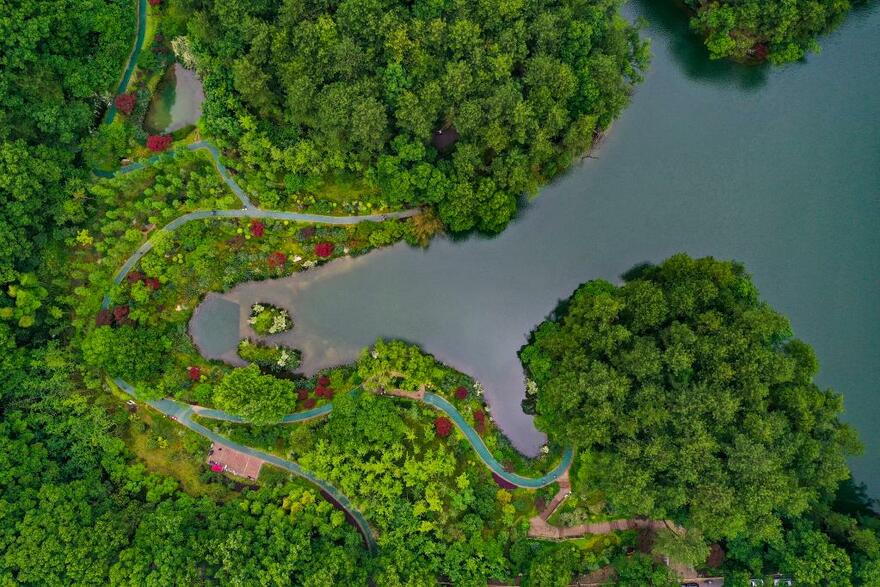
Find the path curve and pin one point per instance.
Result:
(132, 60)
(182, 413)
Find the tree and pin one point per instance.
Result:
(134, 353)
(691, 399)
(260, 399)
(366, 88)
(781, 30)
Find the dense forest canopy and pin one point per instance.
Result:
(312, 89)
(688, 398)
(778, 30)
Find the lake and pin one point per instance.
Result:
(777, 168)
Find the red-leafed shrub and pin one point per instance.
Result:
(479, 421)
(503, 483)
(120, 313)
(152, 283)
(158, 143)
(760, 51)
(125, 103)
(104, 317)
(309, 403)
(155, 3)
(461, 392)
(323, 381)
(302, 394)
(328, 393)
(276, 260)
(443, 426)
(307, 232)
(324, 249)
(134, 276)
(257, 228)
(195, 373)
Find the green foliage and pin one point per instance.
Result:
(781, 30)
(692, 399)
(261, 399)
(275, 358)
(269, 319)
(135, 353)
(315, 90)
(640, 570)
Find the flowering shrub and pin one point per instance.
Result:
(461, 392)
(324, 392)
(479, 420)
(120, 313)
(442, 426)
(266, 319)
(324, 249)
(125, 103)
(273, 358)
(276, 260)
(195, 373)
(257, 228)
(158, 143)
(104, 317)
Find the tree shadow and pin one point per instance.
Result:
(669, 20)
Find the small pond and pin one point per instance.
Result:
(177, 102)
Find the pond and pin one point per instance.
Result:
(777, 168)
(176, 103)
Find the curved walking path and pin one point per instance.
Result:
(132, 60)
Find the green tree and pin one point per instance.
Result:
(260, 399)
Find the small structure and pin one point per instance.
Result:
(445, 138)
(222, 458)
(132, 406)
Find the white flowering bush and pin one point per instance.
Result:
(275, 358)
(267, 319)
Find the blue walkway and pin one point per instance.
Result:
(182, 413)
(132, 60)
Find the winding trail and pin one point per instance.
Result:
(183, 413)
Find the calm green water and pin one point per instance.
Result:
(177, 102)
(779, 169)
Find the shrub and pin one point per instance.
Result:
(272, 358)
(302, 394)
(194, 373)
(461, 392)
(158, 143)
(324, 249)
(323, 381)
(442, 426)
(310, 403)
(257, 228)
(276, 260)
(125, 103)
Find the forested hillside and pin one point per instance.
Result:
(689, 398)
(313, 91)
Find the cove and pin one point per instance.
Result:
(776, 168)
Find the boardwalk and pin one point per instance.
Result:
(539, 527)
